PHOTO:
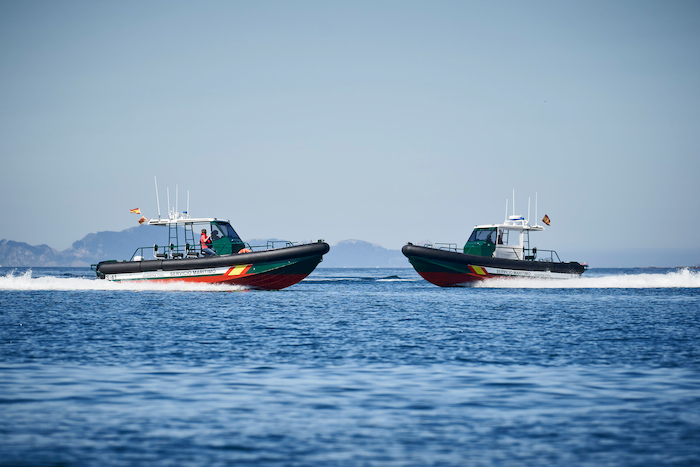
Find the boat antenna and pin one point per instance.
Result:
(176, 198)
(188, 202)
(528, 211)
(167, 192)
(536, 221)
(157, 200)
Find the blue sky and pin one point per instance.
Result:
(381, 121)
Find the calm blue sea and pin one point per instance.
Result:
(351, 367)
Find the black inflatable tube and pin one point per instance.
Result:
(461, 258)
(278, 254)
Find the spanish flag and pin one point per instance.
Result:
(135, 211)
(545, 219)
(142, 220)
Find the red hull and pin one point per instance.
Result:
(261, 281)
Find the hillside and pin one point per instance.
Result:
(90, 249)
(101, 246)
(360, 254)
(18, 254)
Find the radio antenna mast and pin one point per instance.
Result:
(528, 211)
(157, 200)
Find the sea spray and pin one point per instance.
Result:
(682, 278)
(15, 280)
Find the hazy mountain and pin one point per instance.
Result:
(100, 246)
(360, 254)
(89, 250)
(96, 247)
(14, 254)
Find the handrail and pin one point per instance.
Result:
(141, 249)
(271, 243)
(446, 246)
(535, 252)
(529, 254)
(552, 254)
(173, 251)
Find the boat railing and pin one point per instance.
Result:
(446, 246)
(140, 253)
(542, 255)
(441, 246)
(173, 251)
(271, 244)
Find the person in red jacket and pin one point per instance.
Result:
(205, 243)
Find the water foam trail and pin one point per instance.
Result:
(25, 281)
(397, 280)
(683, 278)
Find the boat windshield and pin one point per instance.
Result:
(223, 229)
(483, 235)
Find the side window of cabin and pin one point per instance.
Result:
(216, 232)
(503, 237)
(227, 231)
(511, 238)
(492, 237)
(483, 236)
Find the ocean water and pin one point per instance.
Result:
(351, 367)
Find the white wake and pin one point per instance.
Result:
(682, 278)
(26, 281)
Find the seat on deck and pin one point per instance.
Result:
(191, 251)
(163, 255)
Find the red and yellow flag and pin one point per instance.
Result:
(142, 220)
(135, 211)
(545, 219)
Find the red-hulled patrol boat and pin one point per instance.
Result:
(492, 251)
(235, 262)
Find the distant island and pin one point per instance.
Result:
(100, 246)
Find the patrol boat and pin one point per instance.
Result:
(236, 262)
(492, 251)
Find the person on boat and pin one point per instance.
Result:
(205, 243)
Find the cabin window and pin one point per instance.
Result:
(223, 230)
(483, 235)
(506, 237)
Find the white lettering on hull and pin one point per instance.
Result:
(525, 273)
(151, 275)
